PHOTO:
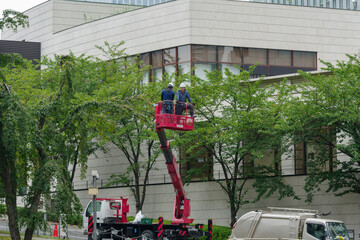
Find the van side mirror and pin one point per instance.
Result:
(87, 214)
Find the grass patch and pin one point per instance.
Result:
(34, 236)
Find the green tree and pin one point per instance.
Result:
(237, 124)
(131, 130)
(326, 113)
(61, 102)
(13, 120)
(13, 20)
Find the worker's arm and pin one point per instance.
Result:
(177, 96)
(162, 95)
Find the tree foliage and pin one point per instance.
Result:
(60, 106)
(131, 130)
(13, 20)
(237, 124)
(326, 112)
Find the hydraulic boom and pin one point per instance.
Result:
(181, 123)
(182, 204)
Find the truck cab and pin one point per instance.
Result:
(107, 210)
(324, 229)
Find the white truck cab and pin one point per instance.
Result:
(288, 223)
(107, 210)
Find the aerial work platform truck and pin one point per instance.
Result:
(112, 213)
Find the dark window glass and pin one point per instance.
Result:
(304, 59)
(229, 54)
(254, 55)
(184, 53)
(90, 208)
(144, 59)
(300, 167)
(204, 53)
(156, 74)
(279, 58)
(198, 165)
(316, 230)
(156, 58)
(170, 56)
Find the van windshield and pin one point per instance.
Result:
(90, 208)
(337, 231)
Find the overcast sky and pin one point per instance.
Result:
(18, 5)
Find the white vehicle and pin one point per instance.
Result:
(107, 210)
(288, 223)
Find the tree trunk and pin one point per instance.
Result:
(233, 215)
(137, 194)
(33, 209)
(10, 187)
(8, 177)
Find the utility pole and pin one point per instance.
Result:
(94, 191)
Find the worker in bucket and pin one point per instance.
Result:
(181, 96)
(167, 96)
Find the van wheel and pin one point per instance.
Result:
(147, 234)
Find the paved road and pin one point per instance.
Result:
(73, 231)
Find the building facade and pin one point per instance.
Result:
(174, 37)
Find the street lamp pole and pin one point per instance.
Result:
(94, 191)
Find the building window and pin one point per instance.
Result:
(254, 55)
(315, 150)
(180, 60)
(204, 59)
(198, 165)
(184, 59)
(170, 61)
(347, 4)
(156, 63)
(230, 58)
(230, 55)
(268, 160)
(334, 3)
(170, 56)
(280, 58)
(145, 61)
(304, 59)
(202, 53)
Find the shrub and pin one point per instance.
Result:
(219, 232)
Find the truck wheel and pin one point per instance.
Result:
(147, 234)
